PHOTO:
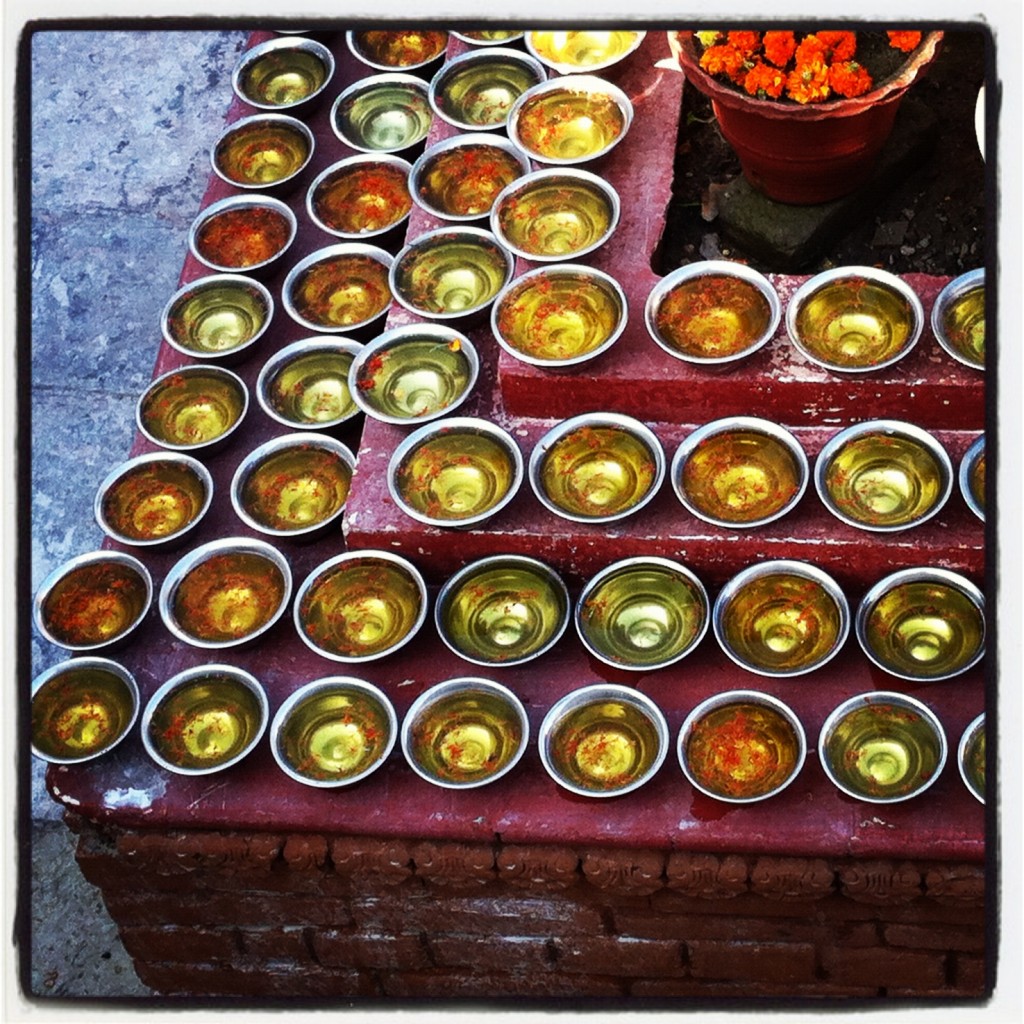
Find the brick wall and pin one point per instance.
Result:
(260, 915)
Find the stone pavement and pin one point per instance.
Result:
(121, 124)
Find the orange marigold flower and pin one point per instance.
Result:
(765, 81)
(808, 82)
(849, 78)
(745, 42)
(722, 60)
(905, 41)
(842, 45)
(779, 47)
(811, 48)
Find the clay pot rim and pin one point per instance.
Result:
(682, 48)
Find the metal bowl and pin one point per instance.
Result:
(264, 151)
(384, 113)
(283, 74)
(455, 472)
(781, 618)
(882, 747)
(741, 747)
(972, 477)
(225, 593)
(555, 214)
(81, 709)
(713, 313)
(450, 273)
(502, 610)
(603, 740)
(922, 624)
(570, 120)
(464, 733)
(305, 384)
(93, 601)
(587, 50)
(740, 472)
(342, 287)
(153, 500)
(642, 613)
(293, 486)
(405, 49)
(489, 37)
(360, 605)
(333, 732)
(193, 408)
(597, 467)
(854, 319)
(362, 196)
(205, 719)
(476, 90)
(958, 319)
(459, 178)
(883, 476)
(559, 316)
(243, 234)
(414, 373)
(970, 757)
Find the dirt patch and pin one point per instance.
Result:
(933, 222)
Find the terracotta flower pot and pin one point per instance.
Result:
(805, 154)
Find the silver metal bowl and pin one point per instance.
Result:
(284, 74)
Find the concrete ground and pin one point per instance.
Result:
(120, 129)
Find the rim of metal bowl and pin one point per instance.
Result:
(180, 459)
(397, 336)
(492, 54)
(883, 277)
(369, 84)
(183, 678)
(194, 558)
(86, 663)
(712, 268)
(283, 442)
(891, 428)
(461, 684)
(473, 235)
(456, 425)
(902, 700)
(596, 693)
(339, 166)
(280, 360)
(245, 200)
(357, 52)
(284, 120)
(918, 574)
(727, 425)
(975, 726)
(327, 684)
(327, 568)
(468, 572)
(290, 42)
(212, 281)
(470, 41)
(575, 174)
(724, 699)
(967, 464)
(328, 252)
(625, 565)
(571, 270)
(780, 567)
(464, 140)
(615, 421)
(952, 291)
(583, 83)
(194, 369)
(571, 69)
(58, 573)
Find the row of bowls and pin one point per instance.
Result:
(778, 618)
(738, 472)
(601, 740)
